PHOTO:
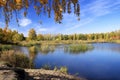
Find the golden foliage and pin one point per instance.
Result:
(57, 6)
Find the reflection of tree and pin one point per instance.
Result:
(77, 49)
(31, 64)
(31, 58)
(115, 48)
(32, 54)
(45, 49)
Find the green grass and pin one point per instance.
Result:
(77, 48)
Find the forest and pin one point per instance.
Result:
(13, 36)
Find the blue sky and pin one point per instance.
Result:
(96, 16)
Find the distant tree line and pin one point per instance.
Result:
(94, 36)
(9, 36)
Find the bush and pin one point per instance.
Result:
(16, 59)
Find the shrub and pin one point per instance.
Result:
(16, 59)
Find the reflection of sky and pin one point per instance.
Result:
(108, 46)
(25, 50)
(102, 63)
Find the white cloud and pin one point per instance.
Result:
(79, 24)
(25, 22)
(100, 7)
(91, 11)
(42, 29)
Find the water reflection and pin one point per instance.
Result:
(103, 60)
(45, 49)
(32, 56)
(78, 48)
(107, 46)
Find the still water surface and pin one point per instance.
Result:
(101, 63)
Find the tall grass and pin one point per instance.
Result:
(62, 69)
(47, 48)
(16, 59)
(77, 48)
(46, 66)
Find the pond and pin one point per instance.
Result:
(100, 63)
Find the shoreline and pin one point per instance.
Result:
(68, 42)
(32, 43)
(13, 73)
(8, 72)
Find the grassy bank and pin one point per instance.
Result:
(57, 42)
(116, 41)
(31, 43)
